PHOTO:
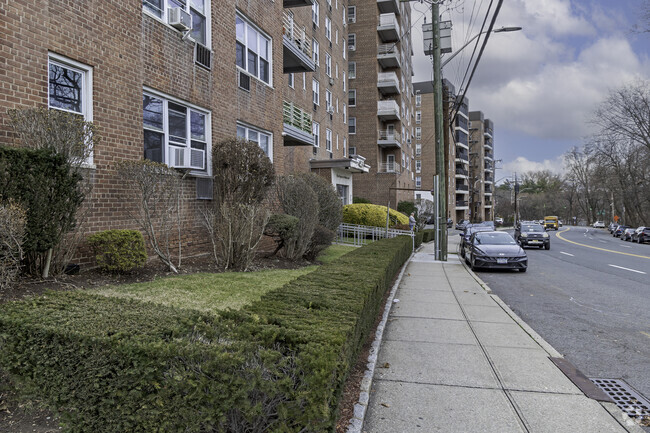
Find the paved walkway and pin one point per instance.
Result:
(454, 358)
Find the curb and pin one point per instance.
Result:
(361, 406)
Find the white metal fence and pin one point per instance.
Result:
(358, 235)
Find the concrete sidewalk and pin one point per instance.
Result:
(453, 358)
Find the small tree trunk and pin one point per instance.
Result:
(48, 261)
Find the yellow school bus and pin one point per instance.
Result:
(551, 222)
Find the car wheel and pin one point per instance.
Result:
(472, 266)
(547, 246)
(462, 252)
(523, 269)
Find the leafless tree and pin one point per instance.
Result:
(12, 233)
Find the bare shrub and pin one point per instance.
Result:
(297, 198)
(12, 233)
(69, 135)
(330, 214)
(154, 190)
(236, 218)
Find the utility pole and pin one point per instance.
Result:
(516, 200)
(441, 226)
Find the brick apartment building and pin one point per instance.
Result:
(165, 79)
(456, 148)
(380, 100)
(481, 167)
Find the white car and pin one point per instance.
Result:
(598, 225)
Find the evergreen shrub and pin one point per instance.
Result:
(119, 250)
(372, 215)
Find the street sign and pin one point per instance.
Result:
(616, 218)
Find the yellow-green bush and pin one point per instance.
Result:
(372, 215)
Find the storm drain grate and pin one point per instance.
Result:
(626, 398)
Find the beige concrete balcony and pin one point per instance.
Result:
(387, 83)
(388, 110)
(388, 28)
(297, 3)
(388, 6)
(296, 47)
(388, 56)
(297, 124)
(388, 138)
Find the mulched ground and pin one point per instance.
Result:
(21, 416)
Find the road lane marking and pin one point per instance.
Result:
(627, 269)
(559, 235)
(646, 334)
(625, 246)
(602, 241)
(566, 254)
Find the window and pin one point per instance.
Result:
(328, 65)
(352, 70)
(418, 100)
(253, 50)
(345, 114)
(291, 78)
(418, 182)
(304, 82)
(198, 9)
(70, 88)
(418, 133)
(337, 71)
(315, 50)
(175, 133)
(315, 129)
(418, 117)
(328, 139)
(344, 80)
(418, 149)
(315, 87)
(344, 48)
(259, 136)
(352, 42)
(352, 127)
(352, 97)
(418, 166)
(403, 159)
(353, 150)
(352, 14)
(328, 29)
(328, 100)
(345, 147)
(315, 13)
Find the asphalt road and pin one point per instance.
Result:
(589, 297)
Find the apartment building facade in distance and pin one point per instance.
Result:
(481, 167)
(380, 99)
(166, 79)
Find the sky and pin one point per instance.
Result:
(541, 85)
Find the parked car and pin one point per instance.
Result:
(641, 235)
(450, 223)
(461, 224)
(598, 225)
(619, 230)
(626, 235)
(467, 233)
(495, 250)
(532, 235)
(487, 224)
(612, 227)
(498, 221)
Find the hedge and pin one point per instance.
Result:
(428, 235)
(278, 365)
(372, 215)
(119, 250)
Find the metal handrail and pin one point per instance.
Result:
(385, 134)
(387, 49)
(297, 117)
(296, 34)
(388, 167)
(358, 235)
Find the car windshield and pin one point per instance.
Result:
(470, 230)
(495, 238)
(532, 228)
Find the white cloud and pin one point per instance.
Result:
(522, 165)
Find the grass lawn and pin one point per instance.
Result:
(212, 292)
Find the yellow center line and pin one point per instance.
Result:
(646, 334)
(596, 248)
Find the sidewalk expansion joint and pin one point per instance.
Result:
(491, 388)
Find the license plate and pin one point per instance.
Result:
(502, 261)
(533, 242)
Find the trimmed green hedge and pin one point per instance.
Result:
(372, 215)
(428, 235)
(278, 365)
(119, 250)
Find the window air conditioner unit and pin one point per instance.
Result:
(243, 81)
(352, 20)
(179, 19)
(330, 109)
(178, 158)
(331, 81)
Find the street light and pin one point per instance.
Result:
(501, 30)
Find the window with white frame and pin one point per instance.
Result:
(418, 166)
(263, 138)
(344, 80)
(254, 50)
(418, 100)
(175, 133)
(418, 182)
(315, 130)
(345, 147)
(352, 14)
(345, 114)
(304, 82)
(315, 88)
(352, 97)
(291, 79)
(352, 42)
(70, 88)
(315, 51)
(198, 10)
(328, 100)
(418, 117)
(418, 133)
(337, 71)
(418, 148)
(328, 29)
(336, 36)
(328, 65)
(352, 127)
(403, 159)
(352, 70)
(345, 48)
(315, 13)
(328, 139)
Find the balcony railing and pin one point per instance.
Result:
(297, 46)
(489, 155)
(462, 154)
(462, 171)
(488, 131)
(389, 167)
(388, 56)
(387, 82)
(388, 28)
(388, 109)
(461, 203)
(386, 134)
(488, 189)
(296, 117)
(461, 187)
